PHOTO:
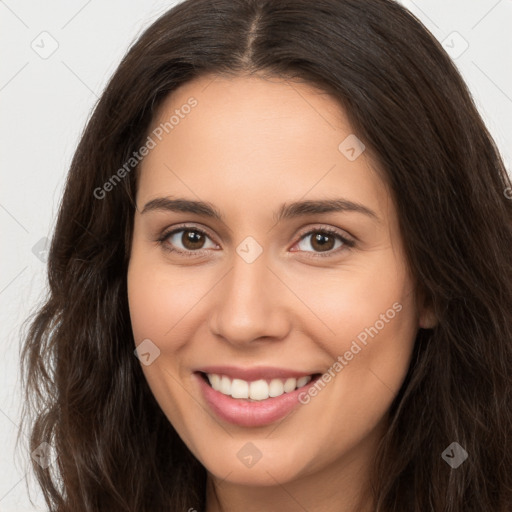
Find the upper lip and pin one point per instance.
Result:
(254, 373)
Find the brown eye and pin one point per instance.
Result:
(186, 241)
(324, 242)
(192, 239)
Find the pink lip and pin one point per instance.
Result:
(254, 373)
(246, 413)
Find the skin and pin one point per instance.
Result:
(248, 146)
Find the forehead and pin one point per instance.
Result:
(253, 139)
(250, 105)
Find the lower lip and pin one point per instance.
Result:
(250, 414)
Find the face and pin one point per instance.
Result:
(302, 317)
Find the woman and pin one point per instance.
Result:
(280, 275)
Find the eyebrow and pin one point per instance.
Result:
(286, 211)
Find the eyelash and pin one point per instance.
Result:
(347, 243)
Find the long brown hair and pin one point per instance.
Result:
(85, 391)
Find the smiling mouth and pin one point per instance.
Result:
(258, 390)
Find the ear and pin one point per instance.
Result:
(427, 318)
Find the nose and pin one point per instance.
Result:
(251, 304)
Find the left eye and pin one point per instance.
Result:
(323, 241)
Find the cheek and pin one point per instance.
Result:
(362, 303)
(374, 331)
(368, 330)
(160, 298)
(149, 302)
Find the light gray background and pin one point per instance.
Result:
(45, 103)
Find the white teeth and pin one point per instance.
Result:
(255, 390)
(258, 390)
(239, 388)
(225, 385)
(303, 381)
(276, 387)
(290, 385)
(214, 381)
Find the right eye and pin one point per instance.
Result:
(192, 240)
